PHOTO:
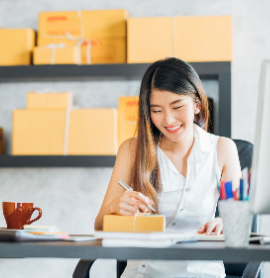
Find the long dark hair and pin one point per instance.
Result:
(176, 76)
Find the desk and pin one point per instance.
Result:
(93, 250)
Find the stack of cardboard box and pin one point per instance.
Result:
(81, 37)
(50, 127)
(101, 36)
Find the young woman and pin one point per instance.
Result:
(174, 165)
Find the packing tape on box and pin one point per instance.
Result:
(116, 129)
(65, 150)
(79, 44)
(53, 48)
(134, 224)
(88, 51)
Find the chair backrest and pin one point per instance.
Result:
(245, 151)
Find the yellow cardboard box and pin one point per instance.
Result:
(59, 100)
(16, 46)
(149, 39)
(128, 109)
(38, 132)
(56, 54)
(203, 38)
(93, 132)
(67, 27)
(105, 51)
(105, 24)
(149, 223)
(98, 52)
(193, 39)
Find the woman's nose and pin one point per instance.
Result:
(168, 119)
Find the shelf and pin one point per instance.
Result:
(131, 71)
(9, 161)
(221, 71)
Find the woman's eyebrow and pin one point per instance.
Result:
(176, 101)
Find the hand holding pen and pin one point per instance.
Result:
(131, 202)
(127, 187)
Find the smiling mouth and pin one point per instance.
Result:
(173, 129)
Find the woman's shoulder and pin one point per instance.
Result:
(127, 151)
(128, 145)
(225, 143)
(226, 148)
(219, 142)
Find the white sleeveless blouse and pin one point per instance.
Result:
(187, 203)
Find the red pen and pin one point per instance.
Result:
(222, 191)
(249, 179)
(235, 195)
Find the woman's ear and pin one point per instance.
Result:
(197, 108)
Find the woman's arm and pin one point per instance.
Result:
(229, 165)
(117, 200)
(228, 161)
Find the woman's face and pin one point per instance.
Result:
(172, 114)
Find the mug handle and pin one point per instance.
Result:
(31, 212)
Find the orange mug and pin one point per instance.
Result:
(19, 214)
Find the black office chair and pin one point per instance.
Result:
(233, 270)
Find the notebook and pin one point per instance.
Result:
(143, 239)
(152, 239)
(11, 235)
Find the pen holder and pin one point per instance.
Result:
(236, 222)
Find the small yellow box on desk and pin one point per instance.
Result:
(16, 46)
(36, 100)
(128, 109)
(93, 132)
(38, 132)
(56, 55)
(69, 27)
(140, 223)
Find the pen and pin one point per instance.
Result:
(235, 196)
(127, 187)
(245, 179)
(241, 190)
(222, 191)
(228, 189)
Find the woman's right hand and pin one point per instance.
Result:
(130, 203)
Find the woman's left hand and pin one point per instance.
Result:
(215, 225)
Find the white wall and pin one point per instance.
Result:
(58, 191)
